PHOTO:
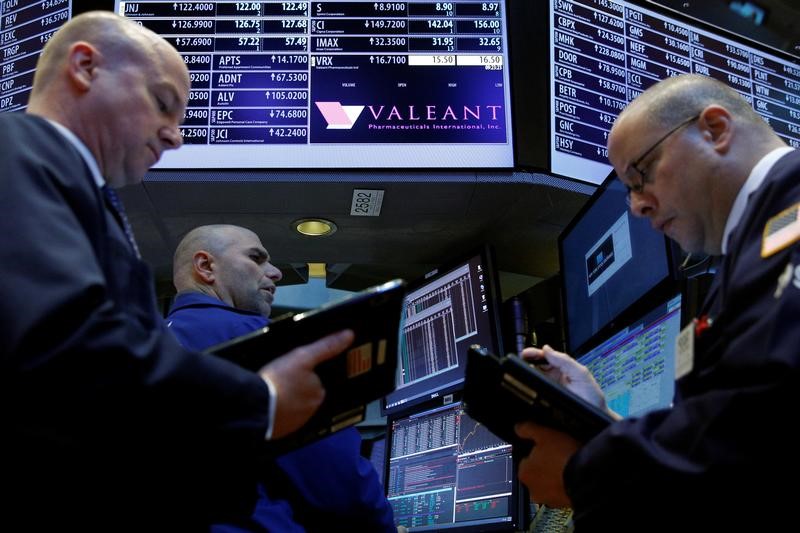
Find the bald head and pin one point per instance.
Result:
(119, 87)
(229, 263)
(120, 40)
(675, 99)
(117, 37)
(685, 147)
(213, 239)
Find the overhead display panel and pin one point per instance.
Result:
(25, 27)
(605, 53)
(358, 84)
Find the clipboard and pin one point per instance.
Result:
(502, 391)
(364, 372)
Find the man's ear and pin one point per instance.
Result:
(203, 266)
(81, 64)
(717, 125)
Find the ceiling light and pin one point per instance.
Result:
(316, 227)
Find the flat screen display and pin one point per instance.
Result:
(605, 53)
(25, 27)
(358, 84)
(448, 472)
(609, 259)
(635, 366)
(454, 307)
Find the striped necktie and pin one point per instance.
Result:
(119, 213)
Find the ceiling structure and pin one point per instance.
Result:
(426, 219)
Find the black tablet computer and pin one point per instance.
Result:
(364, 372)
(502, 391)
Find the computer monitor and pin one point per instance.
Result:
(357, 84)
(635, 367)
(603, 54)
(451, 308)
(446, 472)
(609, 260)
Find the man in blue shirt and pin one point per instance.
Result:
(226, 286)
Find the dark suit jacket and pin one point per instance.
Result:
(726, 444)
(107, 422)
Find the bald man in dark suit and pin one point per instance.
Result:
(108, 423)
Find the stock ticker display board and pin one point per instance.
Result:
(607, 52)
(25, 27)
(339, 84)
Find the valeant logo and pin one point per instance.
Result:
(343, 117)
(338, 116)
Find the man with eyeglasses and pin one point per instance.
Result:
(711, 174)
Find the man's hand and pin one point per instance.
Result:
(565, 370)
(299, 390)
(542, 471)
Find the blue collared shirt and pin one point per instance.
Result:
(229, 321)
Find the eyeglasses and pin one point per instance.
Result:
(639, 187)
